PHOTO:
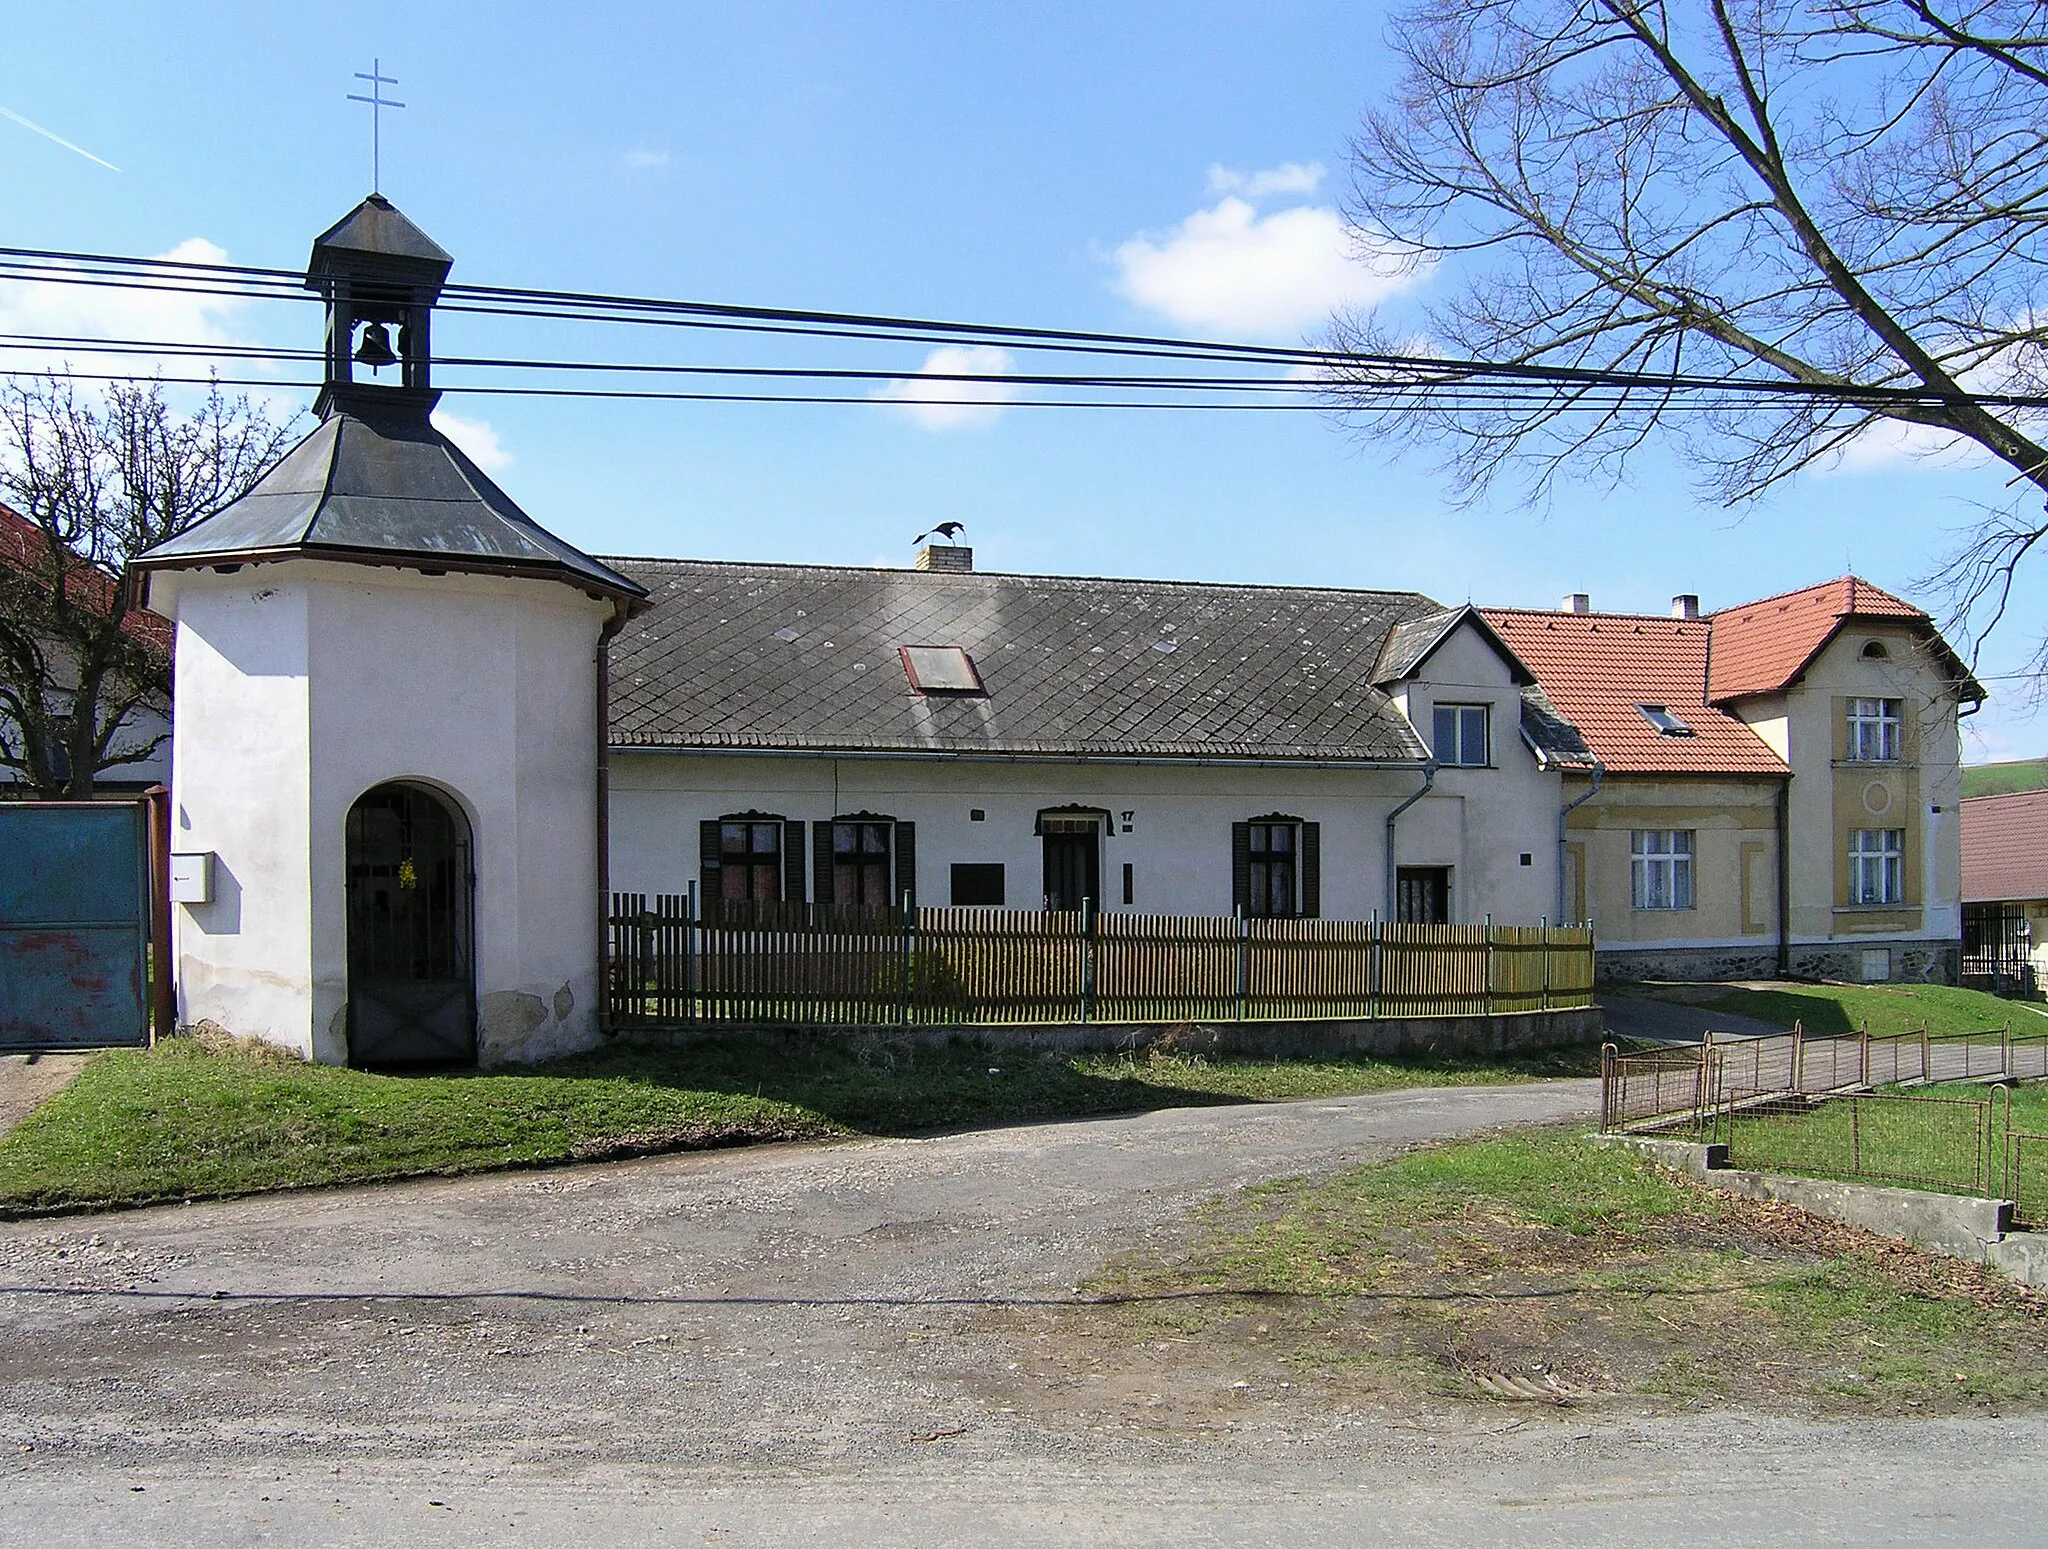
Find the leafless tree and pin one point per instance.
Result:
(93, 481)
(1841, 194)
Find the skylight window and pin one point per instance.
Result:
(1667, 724)
(940, 669)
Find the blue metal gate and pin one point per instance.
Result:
(75, 918)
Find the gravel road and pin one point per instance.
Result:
(815, 1344)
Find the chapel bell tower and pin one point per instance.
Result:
(380, 276)
(387, 758)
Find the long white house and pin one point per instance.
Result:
(836, 736)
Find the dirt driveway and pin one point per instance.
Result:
(26, 1080)
(808, 1345)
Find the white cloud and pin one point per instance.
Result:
(1893, 446)
(478, 438)
(937, 404)
(645, 158)
(1232, 270)
(55, 310)
(1290, 177)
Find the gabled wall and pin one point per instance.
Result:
(1509, 808)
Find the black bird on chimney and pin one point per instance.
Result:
(947, 530)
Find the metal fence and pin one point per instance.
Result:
(1799, 1104)
(1667, 1086)
(1955, 1145)
(797, 964)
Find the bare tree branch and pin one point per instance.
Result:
(1845, 194)
(92, 483)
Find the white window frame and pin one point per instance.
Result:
(1660, 867)
(1877, 866)
(1876, 729)
(1461, 718)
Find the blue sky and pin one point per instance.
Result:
(1106, 165)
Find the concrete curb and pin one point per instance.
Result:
(1979, 1230)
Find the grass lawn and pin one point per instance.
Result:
(1877, 1008)
(1950, 1137)
(197, 1118)
(1536, 1256)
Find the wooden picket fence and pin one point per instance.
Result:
(792, 964)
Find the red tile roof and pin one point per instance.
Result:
(2005, 847)
(1762, 647)
(23, 547)
(1597, 668)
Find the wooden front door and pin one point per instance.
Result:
(1073, 863)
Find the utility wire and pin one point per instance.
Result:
(1350, 377)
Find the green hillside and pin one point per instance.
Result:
(2026, 774)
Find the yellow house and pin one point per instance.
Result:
(1771, 789)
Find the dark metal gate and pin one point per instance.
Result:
(76, 919)
(1998, 949)
(411, 984)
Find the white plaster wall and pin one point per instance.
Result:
(239, 782)
(1177, 843)
(481, 687)
(1510, 809)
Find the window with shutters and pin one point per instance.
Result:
(1276, 867)
(750, 860)
(860, 863)
(865, 860)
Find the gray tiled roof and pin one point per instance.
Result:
(805, 657)
(1413, 640)
(1411, 643)
(1557, 741)
(382, 485)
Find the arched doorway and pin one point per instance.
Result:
(411, 980)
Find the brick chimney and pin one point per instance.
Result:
(1686, 605)
(1579, 602)
(945, 556)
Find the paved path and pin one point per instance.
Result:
(26, 1080)
(812, 1345)
(1655, 1020)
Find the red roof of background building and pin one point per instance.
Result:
(23, 548)
(2005, 847)
(1597, 668)
(1762, 647)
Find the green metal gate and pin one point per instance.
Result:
(75, 924)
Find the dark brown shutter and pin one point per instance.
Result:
(906, 862)
(709, 850)
(792, 863)
(1240, 867)
(1312, 870)
(821, 865)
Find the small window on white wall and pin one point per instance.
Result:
(1461, 735)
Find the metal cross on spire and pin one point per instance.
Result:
(378, 103)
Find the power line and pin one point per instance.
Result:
(1353, 378)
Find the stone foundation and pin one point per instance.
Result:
(1912, 962)
(1462, 1037)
